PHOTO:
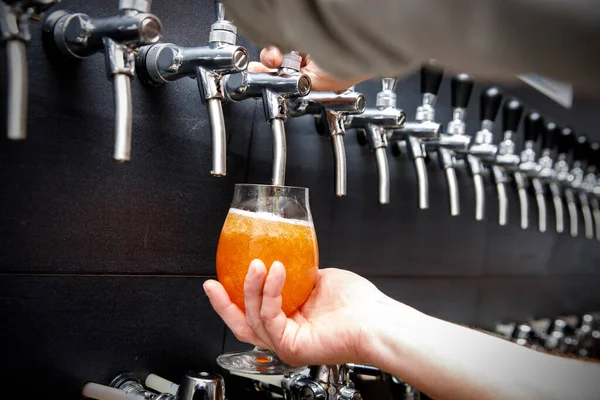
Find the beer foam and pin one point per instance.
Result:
(270, 217)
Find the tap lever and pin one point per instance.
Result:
(572, 207)
(586, 211)
(461, 87)
(558, 206)
(550, 135)
(489, 104)
(521, 183)
(501, 179)
(431, 78)
(512, 112)
(476, 168)
(534, 127)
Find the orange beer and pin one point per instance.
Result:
(248, 235)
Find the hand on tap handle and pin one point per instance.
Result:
(78, 36)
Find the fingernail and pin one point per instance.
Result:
(205, 286)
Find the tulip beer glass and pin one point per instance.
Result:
(271, 223)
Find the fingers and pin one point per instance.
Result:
(253, 288)
(233, 317)
(271, 57)
(255, 66)
(273, 318)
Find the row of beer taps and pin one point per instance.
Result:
(553, 159)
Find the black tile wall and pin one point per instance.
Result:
(101, 265)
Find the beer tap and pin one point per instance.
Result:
(78, 36)
(544, 173)
(275, 88)
(379, 124)
(528, 167)
(573, 186)
(482, 149)
(133, 388)
(564, 146)
(426, 129)
(591, 182)
(15, 33)
(162, 63)
(449, 144)
(332, 108)
(507, 160)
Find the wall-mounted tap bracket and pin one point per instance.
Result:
(77, 36)
(331, 108)
(274, 89)
(15, 33)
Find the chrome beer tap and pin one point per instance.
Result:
(378, 124)
(482, 149)
(78, 36)
(449, 144)
(332, 108)
(275, 88)
(15, 33)
(507, 161)
(162, 63)
(543, 174)
(591, 184)
(586, 194)
(573, 187)
(425, 128)
(564, 146)
(132, 386)
(551, 141)
(528, 168)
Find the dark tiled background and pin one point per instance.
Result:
(102, 265)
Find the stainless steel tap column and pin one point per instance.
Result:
(78, 36)
(529, 168)
(591, 185)
(431, 79)
(507, 161)
(545, 175)
(166, 62)
(14, 32)
(274, 89)
(482, 148)
(378, 124)
(564, 146)
(573, 186)
(332, 108)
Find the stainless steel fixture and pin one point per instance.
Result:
(162, 63)
(424, 129)
(374, 127)
(507, 162)
(15, 33)
(482, 148)
(331, 108)
(591, 189)
(455, 139)
(78, 36)
(573, 186)
(274, 89)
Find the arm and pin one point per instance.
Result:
(489, 39)
(347, 319)
(449, 361)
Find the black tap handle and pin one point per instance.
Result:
(431, 78)
(534, 126)
(550, 135)
(511, 114)
(566, 141)
(489, 103)
(461, 87)
(582, 148)
(594, 157)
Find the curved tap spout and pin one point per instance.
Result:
(540, 197)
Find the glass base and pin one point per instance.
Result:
(256, 361)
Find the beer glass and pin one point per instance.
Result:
(271, 223)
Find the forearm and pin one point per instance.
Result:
(448, 361)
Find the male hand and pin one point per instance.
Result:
(271, 58)
(337, 323)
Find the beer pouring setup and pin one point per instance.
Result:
(553, 171)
